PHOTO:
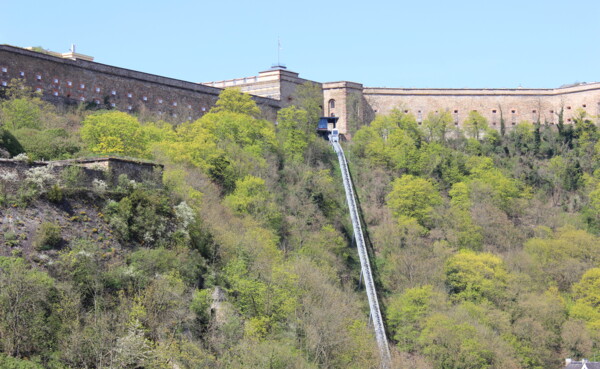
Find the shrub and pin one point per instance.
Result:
(11, 238)
(55, 194)
(99, 186)
(48, 236)
(8, 362)
(72, 176)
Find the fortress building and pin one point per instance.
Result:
(72, 78)
(75, 78)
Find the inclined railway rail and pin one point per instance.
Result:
(365, 265)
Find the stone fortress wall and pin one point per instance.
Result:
(68, 79)
(277, 83)
(347, 99)
(72, 78)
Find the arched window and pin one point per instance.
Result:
(332, 104)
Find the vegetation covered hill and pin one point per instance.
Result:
(486, 243)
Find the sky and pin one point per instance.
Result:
(379, 43)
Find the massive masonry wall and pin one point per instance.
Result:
(75, 81)
(514, 105)
(66, 81)
(277, 83)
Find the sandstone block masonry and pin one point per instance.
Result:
(355, 104)
(276, 83)
(71, 81)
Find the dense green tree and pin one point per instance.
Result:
(476, 277)
(309, 98)
(564, 255)
(252, 197)
(25, 301)
(451, 344)
(234, 101)
(413, 197)
(114, 132)
(475, 125)
(406, 314)
(437, 126)
(292, 127)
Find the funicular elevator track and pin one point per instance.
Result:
(365, 265)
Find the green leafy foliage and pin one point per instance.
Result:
(114, 133)
(484, 243)
(413, 197)
(234, 101)
(407, 312)
(25, 300)
(142, 216)
(48, 236)
(476, 277)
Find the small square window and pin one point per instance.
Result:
(55, 93)
(189, 106)
(513, 111)
(129, 107)
(97, 101)
(113, 92)
(4, 83)
(38, 89)
(82, 86)
(113, 105)
(97, 89)
(175, 103)
(82, 98)
(406, 112)
(568, 120)
(189, 118)
(534, 111)
(494, 111)
(203, 108)
(551, 111)
(55, 80)
(38, 77)
(4, 70)
(494, 123)
(584, 105)
(456, 112)
(129, 95)
(513, 123)
(160, 101)
(174, 115)
(22, 74)
(568, 108)
(69, 83)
